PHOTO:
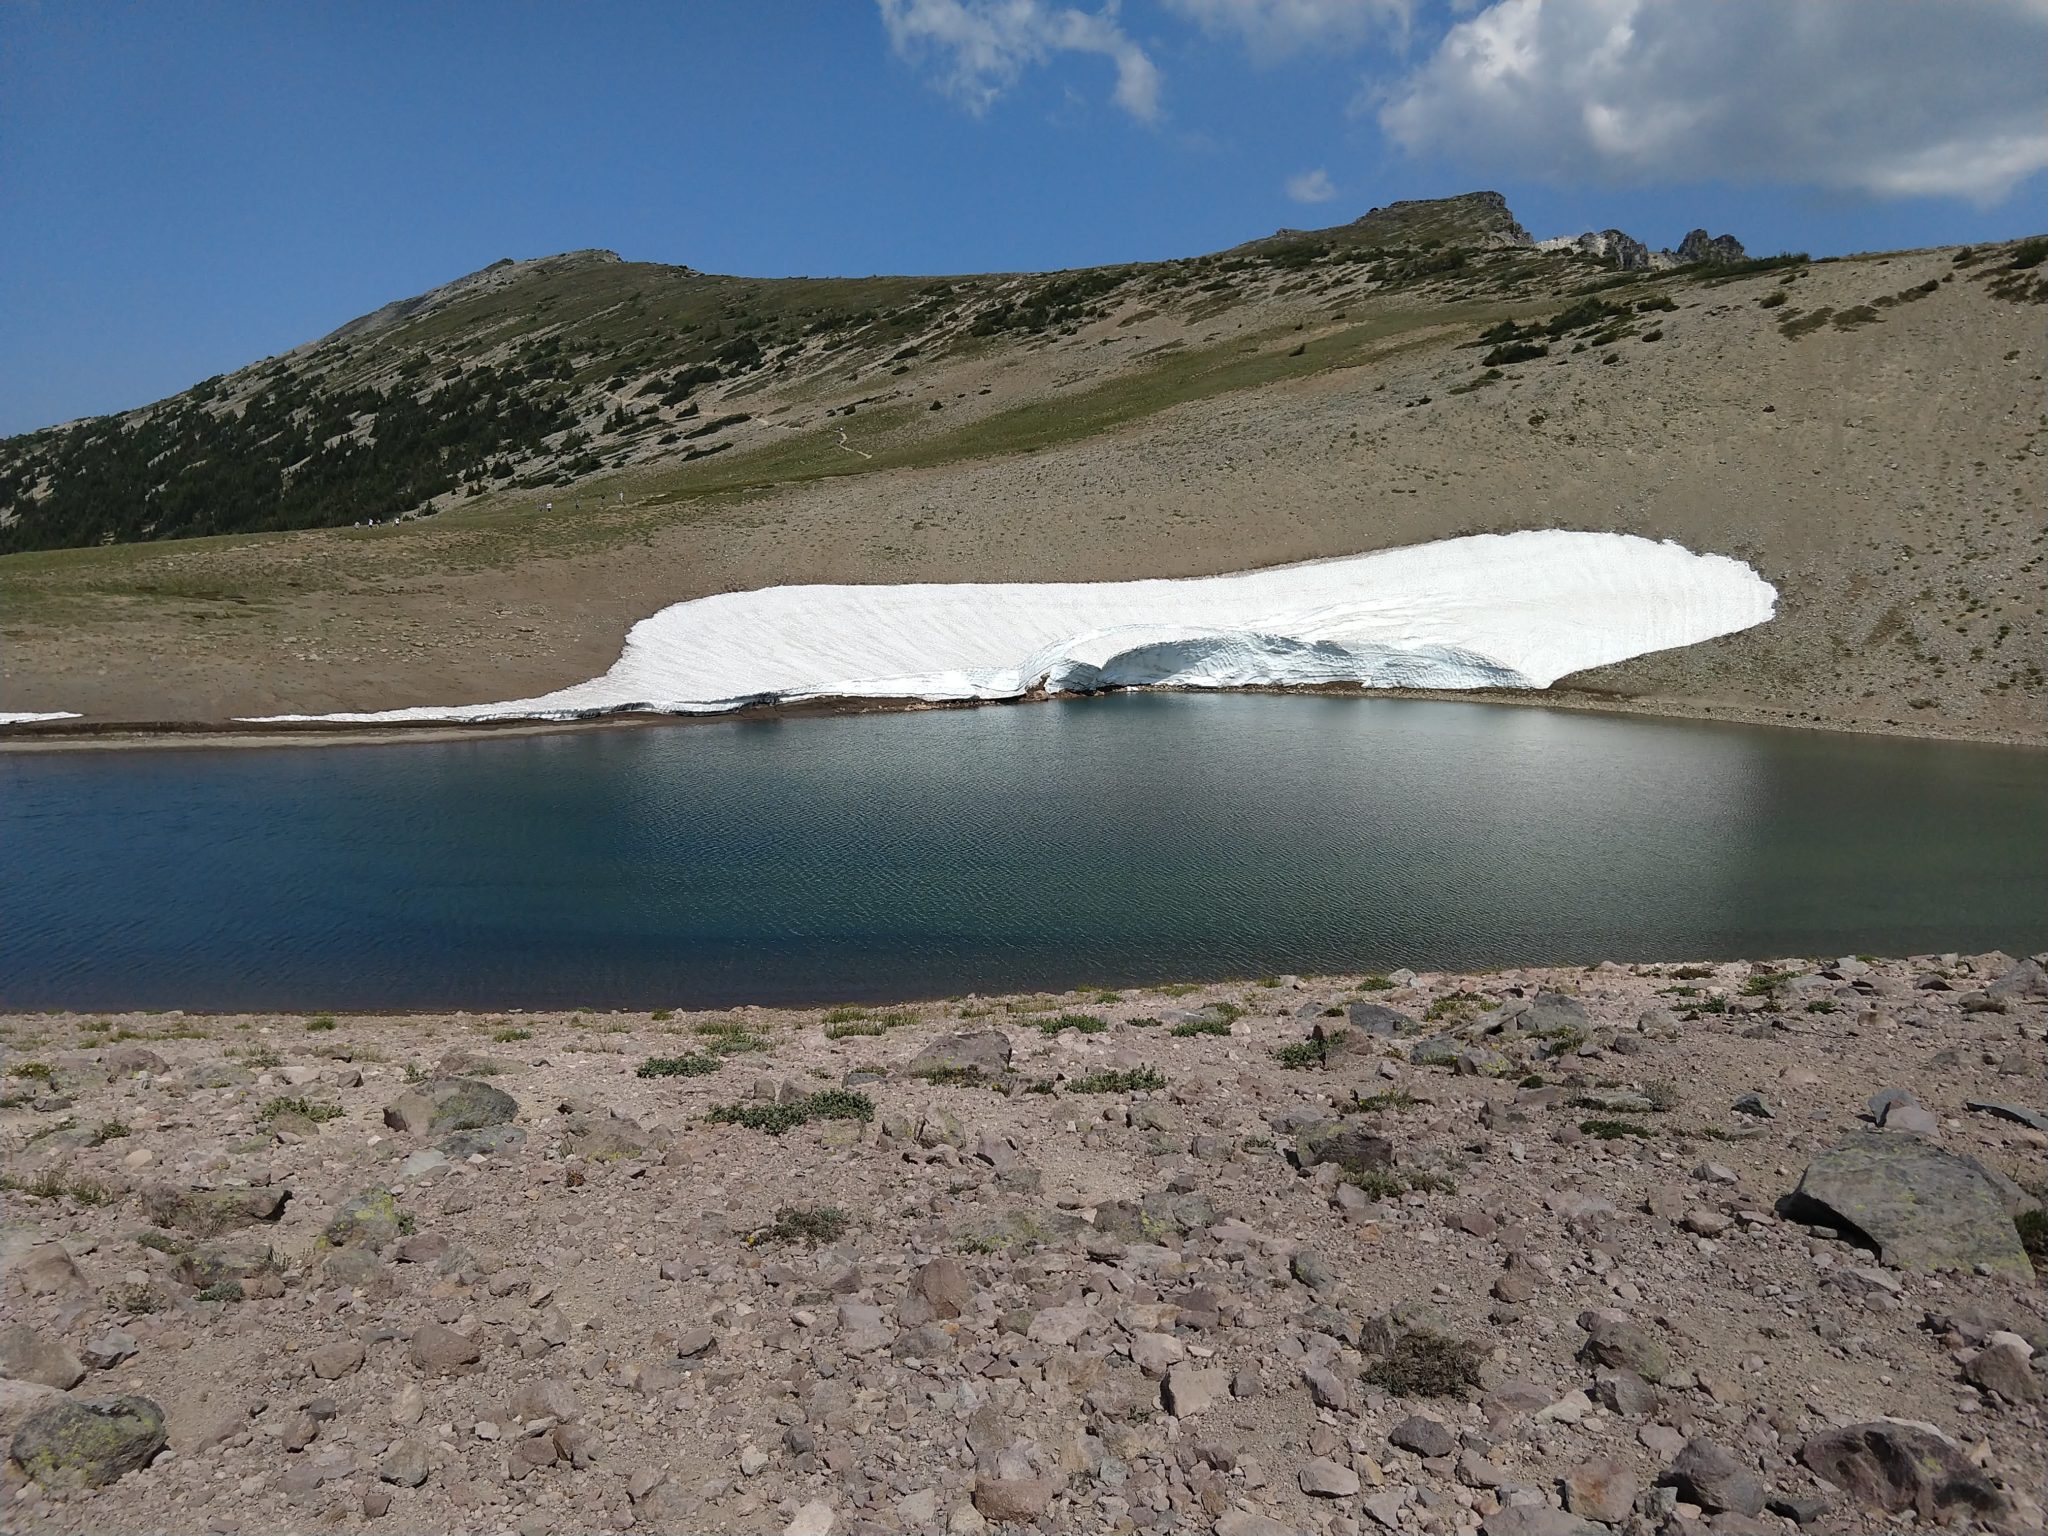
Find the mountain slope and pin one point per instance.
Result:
(1867, 432)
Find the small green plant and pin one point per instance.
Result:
(1693, 973)
(662, 1015)
(507, 1036)
(1144, 1021)
(109, 1130)
(137, 1300)
(775, 1119)
(807, 1224)
(1765, 983)
(37, 1071)
(1379, 1183)
(1613, 1130)
(1107, 996)
(1268, 982)
(160, 1242)
(692, 1064)
(1392, 1098)
(1426, 1364)
(1193, 1027)
(730, 1039)
(1452, 1002)
(1821, 1005)
(308, 1109)
(1533, 1080)
(54, 1184)
(1132, 1080)
(1664, 1095)
(1375, 984)
(848, 1029)
(944, 1075)
(845, 1014)
(221, 1290)
(1301, 1055)
(258, 1058)
(2033, 1230)
(1086, 1023)
(2029, 254)
(323, 1022)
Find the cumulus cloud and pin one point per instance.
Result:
(978, 49)
(1275, 29)
(1883, 97)
(1311, 186)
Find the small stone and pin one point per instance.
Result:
(1191, 1388)
(1425, 1436)
(1324, 1479)
(440, 1349)
(405, 1464)
(1601, 1489)
(753, 1460)
(331, 1362)
(1715, 1479)
(814, 1519)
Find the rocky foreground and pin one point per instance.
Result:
(1690, 1249)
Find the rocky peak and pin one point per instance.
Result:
(1628, 254)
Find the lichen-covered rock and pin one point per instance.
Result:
(370, 1220)
(1924, 1208)
(1613, 1341)
(1896, 1465)
(89, 1443)
(208, 1212)
(447, 1104)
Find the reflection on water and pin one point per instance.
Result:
(1121, 839)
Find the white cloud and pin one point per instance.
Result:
(978, 49)
(1311, 186)
(1275, 29)
(1885, 97)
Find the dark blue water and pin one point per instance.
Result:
(886, 856)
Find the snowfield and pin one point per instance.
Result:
(30, 716)
(1516, 610)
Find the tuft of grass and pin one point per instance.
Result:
(848, 1029)
(2033, 1230)
(692, 1064)
(53, 1184)
(1765, 984)
(1693, 973)
(1664, 1095)
(845, 1014)
(807, 1224)
(1379, 1183)
(1375, 984)
(222, 1290)
(507, 1036)
(775, 1119)
(161, 1242)
(1134, 1080)
(662, 1015)
(1393, 1098)
(1452, 1002)
(1195, 1027)
(109, 1130)
(727, 1038)
(308, 1108)
(324, 1022)
(1426, 1364)
(1086, 1023)
(38, 1071)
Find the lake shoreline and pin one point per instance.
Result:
(117, 736)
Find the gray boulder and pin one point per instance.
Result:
(2027, 981)
(985, 1052)
(450, 1104)
(1350, 1147)
(89, 1443)
(1921, 1207)
(26, 1355)
(1896, 1465)
(1376, 1019)
(1716, 1479)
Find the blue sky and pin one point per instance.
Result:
(184, 189)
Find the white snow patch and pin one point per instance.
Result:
(1516, 610)
(30, 716)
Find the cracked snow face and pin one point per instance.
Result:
(1515, 610)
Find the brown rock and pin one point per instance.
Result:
(442, 1350)
(1601, 1489)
